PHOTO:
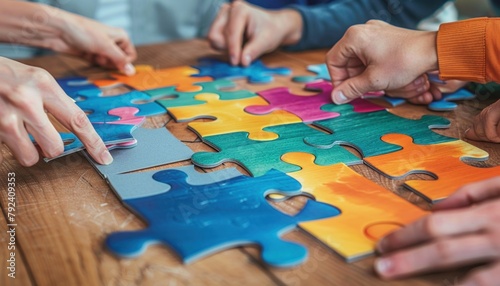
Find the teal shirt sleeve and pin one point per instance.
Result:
(325, 24)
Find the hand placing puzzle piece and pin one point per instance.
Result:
(442, 161)
(321, 71)
(446, 103)
(199, 220)
(257, 72)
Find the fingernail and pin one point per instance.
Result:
(247, 60)
(383, 266)
(421, 89)
(339, 97)
(419, 81)
(129, 69)
(106, 158)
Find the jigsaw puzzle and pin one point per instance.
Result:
(321, 71)
(98, 106)
(257, 72)
(146, 79)
(366, 207)
(258, 157)
(446, 103)
(362, 131)
(126, 115)
(199, 220)
(308, 108)
(442, 161)
(155, 147)
(230, 117)
(168, 97)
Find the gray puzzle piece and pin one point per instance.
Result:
(155, 147)
(140, 185)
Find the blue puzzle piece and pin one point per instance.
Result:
(321, 71)
(364, 130)
(76, 84)
(258, 157)
(257, 72)
(199, 220)
(446, 104)
(110, 133)
(99, 106)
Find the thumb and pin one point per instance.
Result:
(351, 88)
(118, 58)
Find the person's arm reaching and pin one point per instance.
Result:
(48, 27)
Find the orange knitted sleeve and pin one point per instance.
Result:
(470, 50)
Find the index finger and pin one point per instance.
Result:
(235, 30)
(73, 118)
(471, 194)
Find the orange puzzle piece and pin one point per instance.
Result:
(443, 161)
(368, 211)
(147, 78)
(231, 117)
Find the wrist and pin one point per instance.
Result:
(428, 44)
(292, 23)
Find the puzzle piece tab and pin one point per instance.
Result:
(146, 79)
(363, 130)
(369, 211)
(442, 161)
(155, 147)
(258, 157)
(168, 97)
(74, 85)
(198, 220)
(257, 72)
(321, 71)
(99, 106)
(230, 117)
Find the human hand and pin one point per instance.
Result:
(486, 125)
(420, 91)
(464, 230)
(48, 27)
(25, 92)
(378, 56)
(246, 31)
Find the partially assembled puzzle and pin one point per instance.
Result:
(290, 144)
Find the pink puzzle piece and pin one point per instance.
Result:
(127, 117)
(308, 108)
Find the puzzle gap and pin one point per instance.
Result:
(290, 205)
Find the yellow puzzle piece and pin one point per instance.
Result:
(147, 78)
(231, 117)
(442, 161)
(368, 211)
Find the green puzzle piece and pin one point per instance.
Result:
(364, 130)
(170, 97)
(258, 157)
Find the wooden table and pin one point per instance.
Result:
(65, 209)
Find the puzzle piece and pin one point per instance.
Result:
(442, 161)
(126, 115)
(146, 79)
(444, 104)
(363, 130)
(230, 117)
(258, 157)
(308, 108)
(140, 184)
(369, 211)
(168, 97)
(257, 72)
(111, 134)
(99, 106)
(320, 70)
(197, 221)
(73, 85)
(155, 147)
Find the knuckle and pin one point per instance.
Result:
(429, 226)
(8, 124)
(79, 121)
(445, 251)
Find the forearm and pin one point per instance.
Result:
(324, 25)
(30, 24)
(468, 50)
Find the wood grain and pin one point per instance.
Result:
(66, 209)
